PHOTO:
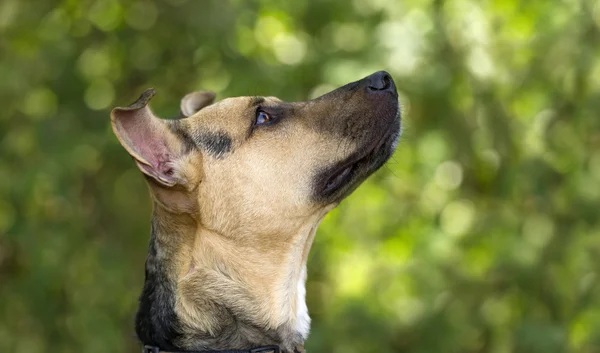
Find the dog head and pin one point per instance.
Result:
(248, 166)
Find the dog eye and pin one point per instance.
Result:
(262, 118)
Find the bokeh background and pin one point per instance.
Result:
(482, 234)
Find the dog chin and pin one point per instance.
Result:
(396, 135)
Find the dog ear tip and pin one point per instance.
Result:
(149, 92)
(199, 94)
(144, 99)
(140, 103)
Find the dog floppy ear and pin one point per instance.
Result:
(148, 139)
(193, 102)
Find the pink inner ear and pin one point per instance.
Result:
(145, 137)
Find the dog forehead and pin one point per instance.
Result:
(247, 101)
(232, 107)
(231, 113)
(242, 102)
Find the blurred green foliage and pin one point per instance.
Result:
(481, 235)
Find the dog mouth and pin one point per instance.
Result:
(354, 169)
(341, 177)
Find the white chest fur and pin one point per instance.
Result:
(302, 318)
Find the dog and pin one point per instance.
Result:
(239, 187)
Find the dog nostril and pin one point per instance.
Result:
(386, 82)
(380, 81)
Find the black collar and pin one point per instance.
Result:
(264, 349)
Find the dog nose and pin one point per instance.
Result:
(381, 81)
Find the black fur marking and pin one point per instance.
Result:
(177, 128)
(256, 101)
(215, 143)
(156, 322)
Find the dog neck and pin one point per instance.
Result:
(204, 290)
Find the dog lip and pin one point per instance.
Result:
(339, 178)
(346, 171)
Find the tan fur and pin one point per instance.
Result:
(260, 233)
(240, 226)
